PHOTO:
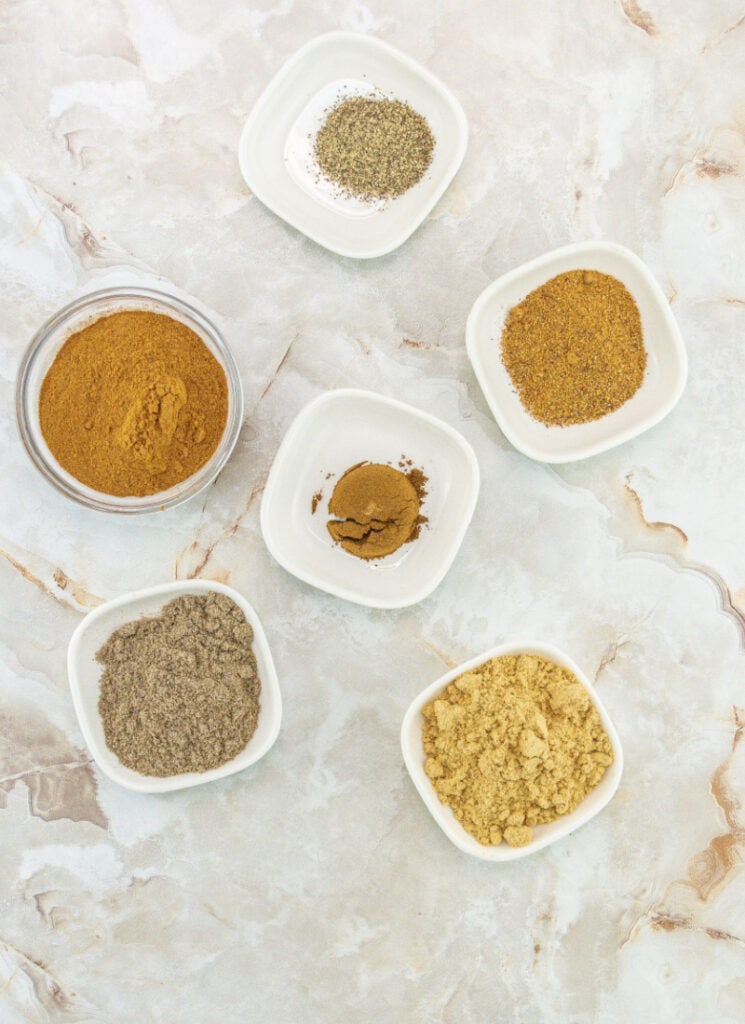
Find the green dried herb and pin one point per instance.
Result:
(374, 148)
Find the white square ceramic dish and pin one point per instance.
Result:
(331, 434)
(667, 364)
(276, 146)
(85, 675)
(413, 752)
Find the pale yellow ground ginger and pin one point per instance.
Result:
(514, 743)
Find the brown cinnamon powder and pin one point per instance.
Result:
(376, 509)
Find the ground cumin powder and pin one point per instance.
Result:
(180, 690)
(573, 348)
(133, 403)
(514, 743)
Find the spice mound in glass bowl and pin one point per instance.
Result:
(133, 404)
(129, 400)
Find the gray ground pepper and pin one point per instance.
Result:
(374, 148)
(180, 690)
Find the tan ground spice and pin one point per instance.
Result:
(573, 348)
(514, 743)
(180, 690)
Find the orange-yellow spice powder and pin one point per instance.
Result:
(133, 404)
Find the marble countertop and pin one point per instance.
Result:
(315, 886)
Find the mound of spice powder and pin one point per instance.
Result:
(133, 403)
(374, 148)
(180, 690)
(514, 743)
(573, 348)
(376, 509)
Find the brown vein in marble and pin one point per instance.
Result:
(435, 650)
(704, 165)
(639, 17)
(204, 554)
(725, 301)
(672, 922)
(648, 524)
(674, 541)
(708, 168)
(709, 871)
(28, 575)
(610, 655)
(278, 368)
(723, 35)
(65, 789)
(27, 237)
(47, 989)
(59, 778)
(80, 237)
(423, 346)
(79, 594)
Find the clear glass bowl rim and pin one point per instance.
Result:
(49, 333)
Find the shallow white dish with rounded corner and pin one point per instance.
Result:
(667, 363)
(413, 752)
(85, 675)
(331, 434)
(276, 147)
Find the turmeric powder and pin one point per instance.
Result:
(514, 743)
(133, 404)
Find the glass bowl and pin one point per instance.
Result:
(40, 355)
